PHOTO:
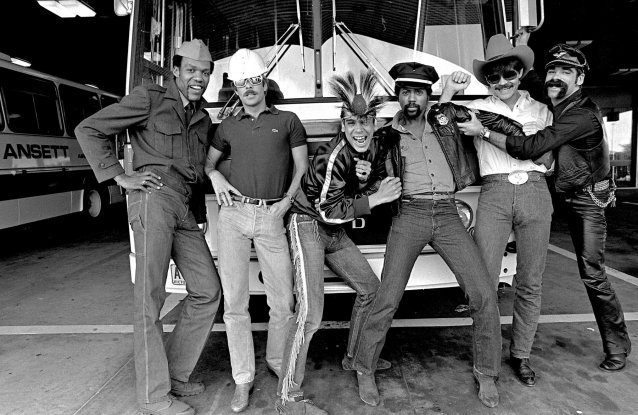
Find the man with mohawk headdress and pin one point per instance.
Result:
(344, 181)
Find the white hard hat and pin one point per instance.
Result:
(244, 64)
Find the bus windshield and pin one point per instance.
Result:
(344, 35)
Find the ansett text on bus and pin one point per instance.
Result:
(35, 151)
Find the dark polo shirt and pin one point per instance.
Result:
(260, 150)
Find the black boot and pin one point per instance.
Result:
(523, 371)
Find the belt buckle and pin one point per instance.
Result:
(518, 177)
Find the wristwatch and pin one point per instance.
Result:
(485, 134)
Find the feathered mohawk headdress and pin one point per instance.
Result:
(360, 101)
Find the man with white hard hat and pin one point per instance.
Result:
(169, 132)
(265, 143)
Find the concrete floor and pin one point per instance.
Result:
(66, 338)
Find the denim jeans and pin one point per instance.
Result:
(313, 244)
(238, 226)
(435, 222)
(527, 209)
(588, 229)
(164, 227)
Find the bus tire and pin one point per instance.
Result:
(95, 202)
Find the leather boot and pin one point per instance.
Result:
(523, 371)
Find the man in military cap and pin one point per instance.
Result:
(170, 134)
(583, 178)
(428, 154)
(514, 193)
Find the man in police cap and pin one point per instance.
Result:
(514, 193)
(583, 178)
(265, 143)
(170, 134)
(430, 157)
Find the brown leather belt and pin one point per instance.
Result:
(430, 196)
(254, 201)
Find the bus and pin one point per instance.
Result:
(304, 43)
(43, 171)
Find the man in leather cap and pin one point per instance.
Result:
(583, 177)
(170, 133)
(514, 193)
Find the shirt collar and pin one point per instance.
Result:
(399, 120)
(522, 102)
(243, 114)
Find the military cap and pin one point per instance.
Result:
(194, 49)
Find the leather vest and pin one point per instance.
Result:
(578, 168)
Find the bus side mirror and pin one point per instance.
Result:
(123, 7)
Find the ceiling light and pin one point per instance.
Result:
(67, 8)
(21, 62)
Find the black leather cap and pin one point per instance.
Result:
(405, 73)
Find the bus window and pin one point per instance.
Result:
(107, 100)
(78, 104)
(32, 104)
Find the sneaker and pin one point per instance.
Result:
(303, 407)
(186, 388)
(169, 406)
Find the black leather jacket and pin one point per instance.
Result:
(330, 191)
(458, 149)
(577, 138)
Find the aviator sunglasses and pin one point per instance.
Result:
(507, 74)
(253, 80)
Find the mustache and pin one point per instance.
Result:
(507, 85)
(249, 92)
(555, 83)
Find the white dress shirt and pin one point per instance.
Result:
(492, 160)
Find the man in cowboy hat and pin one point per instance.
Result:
(428, 155)
(583, 178)
(169, 131)
(514, 193)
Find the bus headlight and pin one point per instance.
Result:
(465, 213)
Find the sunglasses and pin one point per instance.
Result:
(254, 80)
(507, 74)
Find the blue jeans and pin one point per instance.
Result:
(238, 226)
(313, 244)
(164, 227)
(527, 209)
(435, 222)
(588, 229)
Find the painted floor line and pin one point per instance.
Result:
(610, 271)
(413, 322)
